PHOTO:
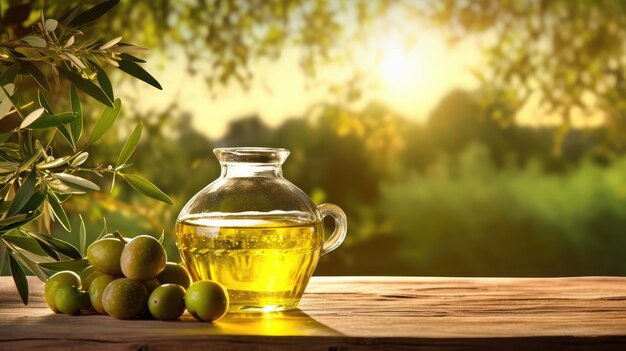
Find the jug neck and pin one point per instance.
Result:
(251, 161)
(234, 170)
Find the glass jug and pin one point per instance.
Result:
(255, 232)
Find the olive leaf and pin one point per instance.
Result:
(37, 75)
(77, 182)
(51, 120)
(76, 265)
(26, 164)
(34, 41)
(44, 103)
(146, 188)
(5, 136)
(7, 167)
(87, 87)
(32, 117)
(136, 71)
(19, 277)
(77, 125)
(62, 197)
(93, 13)
(80, 159)
(62, 128)
(5, 97)
(58, 245)
(26, 243)
(5, 222)
(35, 201)
(69, 14)
(9, 74)
(51, 24)
(130, 145)
(32, 266)
(129, 57)
(3, 253)
(54, 163)
(23, 194)
(19, 223)
(106, 120)
(104, 229)
(82, 236)
(59, 213)
(49, 251)
(105, 83)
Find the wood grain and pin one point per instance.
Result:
(358, 313)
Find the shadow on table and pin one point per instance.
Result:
(287, 323)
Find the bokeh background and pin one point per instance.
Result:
(461, 137)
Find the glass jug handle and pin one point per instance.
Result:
(341, 226)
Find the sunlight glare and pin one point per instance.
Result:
(412, 78)
(398, 66)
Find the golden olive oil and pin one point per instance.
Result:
(264, 264)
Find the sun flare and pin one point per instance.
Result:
(398, 67)
(412, 78)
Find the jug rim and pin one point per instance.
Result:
(251, 154)
(247, 149)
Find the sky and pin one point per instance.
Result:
(410, 81)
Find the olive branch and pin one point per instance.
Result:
(36, 179)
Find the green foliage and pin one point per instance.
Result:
(464, 216)
(82, 235)
(563, 55)
(144, 186)
(93, 13)
(37, 175)
(136, 71)
(235, 34)
(106, 120)
(88, 87)
(129, 145)
(19, 277)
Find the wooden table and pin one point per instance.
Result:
(358, 313)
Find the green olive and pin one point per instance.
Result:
(207, 300)
(174, 273)
(143, 258)
(70, 300)
(105, 254)
(87, 275)
(97, 289)
(59, 280)
(167, 302)
(124, 298)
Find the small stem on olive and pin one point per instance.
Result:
(118, 235)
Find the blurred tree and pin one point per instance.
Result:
(247, 131)
(565, 56)
(221, 38)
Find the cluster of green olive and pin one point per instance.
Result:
(131, 278)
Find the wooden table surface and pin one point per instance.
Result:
(358, 313)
